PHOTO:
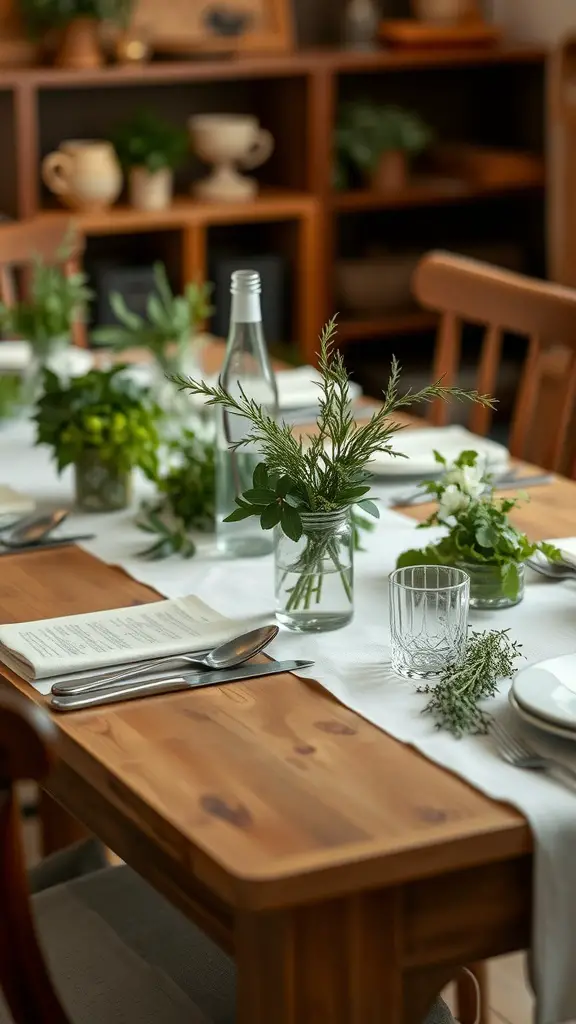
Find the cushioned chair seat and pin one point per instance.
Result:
(120, 954)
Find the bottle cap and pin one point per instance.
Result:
(244, 281)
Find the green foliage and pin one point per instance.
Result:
(103, 412)
(55, 302)
(151, 142)
(170, 323)
(455, 698)
(10, 394)
(479, 531)
(326, 471)
(187, 499)
(365, 131)
(40, 16)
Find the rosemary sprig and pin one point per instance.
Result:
(455, 697)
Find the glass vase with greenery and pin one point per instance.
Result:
(105, 425)
(45, 317)
(169, 331)
(186, 498)
(306, 487)
(480, 537)
(366, 132)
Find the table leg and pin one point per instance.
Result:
(338, 962)
(57, 827)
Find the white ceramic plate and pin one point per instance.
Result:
(547, 691)
(419, 446)
(540, 723)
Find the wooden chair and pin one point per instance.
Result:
(117, 951)
(467, 291)
(21, 241)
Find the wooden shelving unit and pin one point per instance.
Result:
(296, 96)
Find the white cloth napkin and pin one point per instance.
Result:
(352, 663)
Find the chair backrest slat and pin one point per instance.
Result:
(23, 241)
(466, 291)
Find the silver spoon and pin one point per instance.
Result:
(229, 655)
(552, 570)
(33, 531)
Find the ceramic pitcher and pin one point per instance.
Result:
(84, 174)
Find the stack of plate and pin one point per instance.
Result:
(544, 695)
(419, 445)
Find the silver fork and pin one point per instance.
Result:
(520, 755)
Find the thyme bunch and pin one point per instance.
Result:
(455, 697)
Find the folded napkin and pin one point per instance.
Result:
(12, 503)
(419, 445)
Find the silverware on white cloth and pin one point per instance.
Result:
(33, 530)
(520, 755)
(228, 655)
(557, 571)
(186, 681)
(416, 497)
(7, 547)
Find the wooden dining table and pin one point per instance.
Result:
(349, 876)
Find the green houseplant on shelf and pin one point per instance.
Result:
(377, 143)
(480, 537)
(150, 149)
(76, 22)
(105, 425)
(45, 318)
(169, 330)
(305, 488)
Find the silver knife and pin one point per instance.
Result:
(186, 681)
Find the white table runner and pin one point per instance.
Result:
(352, 664)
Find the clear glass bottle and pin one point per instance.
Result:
(246, 366)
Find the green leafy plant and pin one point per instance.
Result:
(186, 499)
(40, 16)
(455, 697)
(10, 394)
(151, 142)
(170, 324)
(478, 525)
(326, 471)
(55, 302)
(365, 131)
(104, 413)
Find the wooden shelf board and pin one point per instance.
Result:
(406, 321)
(429, 193)
(270, 205)
(299, 62)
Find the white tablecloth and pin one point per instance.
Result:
(352, 665)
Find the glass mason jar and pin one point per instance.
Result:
(101, 486)
(486, 585)
(51, 356)
(315, 575)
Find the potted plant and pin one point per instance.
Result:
(168, 330)
(150, 149)
(377, 142)
(105, 425)
(306, 488)
(480, 537)
(78, 24)
(55, 302)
